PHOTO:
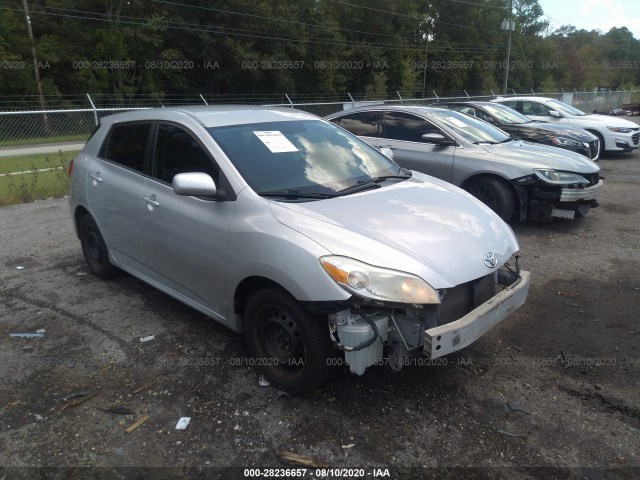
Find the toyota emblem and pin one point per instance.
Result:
(490, 259)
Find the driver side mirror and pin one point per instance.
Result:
(436, 138)
(554, 113)
(194, 184)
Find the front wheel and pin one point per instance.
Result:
(290, 346)
(601, 138)
(495, 194)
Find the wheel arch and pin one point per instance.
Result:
(245, 288)
(79, 212)
(519, 193)
(477, 176)
(601, 137)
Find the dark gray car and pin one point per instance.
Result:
(520, 127)
(514, 177)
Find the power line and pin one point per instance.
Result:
(478, 4)
(224, 31)
(304, 23)
(440, 22)
(261, 17)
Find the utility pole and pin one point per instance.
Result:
(34, 54)
(506, 71)
(626, 55)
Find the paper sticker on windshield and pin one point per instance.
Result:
(457, 122)
(276, 141)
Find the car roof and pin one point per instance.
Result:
(525, 98)
(419, 109)
(465, 102)
(215, 116)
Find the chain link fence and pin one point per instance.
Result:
(37, 146)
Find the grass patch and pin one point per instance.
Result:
(36, 161)
(35, 184)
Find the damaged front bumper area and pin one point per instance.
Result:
(577, 194)
(396, 334)
(542, 202)
(456, 335)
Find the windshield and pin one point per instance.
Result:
(469, 128)
(505, 114)
(567, 109)
(306, 156)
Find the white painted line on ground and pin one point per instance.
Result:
(30, 171)
(35, 149)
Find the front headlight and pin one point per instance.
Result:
(565, 142)
(378, 283)
(564, 178)
(620, 129)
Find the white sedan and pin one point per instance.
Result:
(615, 134)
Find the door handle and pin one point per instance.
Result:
(96, 177)
(151, 200)
(390, 147)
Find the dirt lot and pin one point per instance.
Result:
(570, 356)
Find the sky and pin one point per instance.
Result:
(594, 14)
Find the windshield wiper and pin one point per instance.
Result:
(382, 178)
(360, 186)
(374, 182)
(292, 194)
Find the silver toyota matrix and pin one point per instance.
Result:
(291, 230)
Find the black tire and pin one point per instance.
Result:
(292, 348)
(582, 210)
(496, 194)
(95, 250)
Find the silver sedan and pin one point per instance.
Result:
(514, 177)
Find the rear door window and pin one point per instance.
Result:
(127, 145)
(364, 124)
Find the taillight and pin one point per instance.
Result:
(70, 167)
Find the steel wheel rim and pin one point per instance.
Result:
(279, 341)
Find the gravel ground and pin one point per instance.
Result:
(570, 357)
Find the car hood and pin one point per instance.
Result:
(421, 225)
(565, 130)
(604, 120)
(532, 155)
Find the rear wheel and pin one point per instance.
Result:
(94, 249)
(291, 347)
(494, 193)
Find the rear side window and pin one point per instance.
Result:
(127, 145)
(178, 152)
(364, 124)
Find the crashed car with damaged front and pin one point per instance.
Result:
(517, 179)
(284, 227)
